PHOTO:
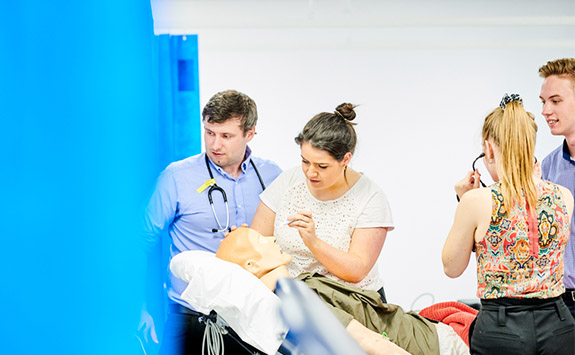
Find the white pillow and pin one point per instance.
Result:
(239, 297)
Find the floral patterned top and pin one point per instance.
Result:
(505, 265)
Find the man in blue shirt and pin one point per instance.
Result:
(199, 198)
(558, 98)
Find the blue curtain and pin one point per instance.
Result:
(178, 135)
(78, 154)
(179, 114)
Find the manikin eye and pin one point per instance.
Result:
(267, 240)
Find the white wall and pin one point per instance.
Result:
(424, 76)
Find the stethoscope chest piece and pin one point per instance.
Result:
(211, 190)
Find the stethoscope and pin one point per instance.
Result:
(215, 187)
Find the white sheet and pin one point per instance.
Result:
(239, 297)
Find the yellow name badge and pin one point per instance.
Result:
(206, 184)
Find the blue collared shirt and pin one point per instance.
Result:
(558, 167)
(177, 206)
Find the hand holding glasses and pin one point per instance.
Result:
(481, 182)
(473, 167)
(467, 181)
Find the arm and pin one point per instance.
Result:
(369, 340)
(568, 198)
(263, 220)
(461, 238)
(372, 342)
(159, 213)
(351, 266)
(265, 214)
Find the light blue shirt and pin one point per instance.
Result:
(559, 168)
(177, 206)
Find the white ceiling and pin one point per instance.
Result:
(193, 16)
(359, 24)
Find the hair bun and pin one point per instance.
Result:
(346, 111)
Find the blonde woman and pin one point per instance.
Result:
(518, 228)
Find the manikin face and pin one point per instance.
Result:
(252, 251)
(321, 169)
(226, 143)
(558, 98)
(271, 255)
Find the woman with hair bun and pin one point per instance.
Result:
(518, 228)
(330, 218)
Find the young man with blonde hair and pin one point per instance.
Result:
(558, 99)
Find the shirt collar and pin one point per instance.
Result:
(566, 154)
(247, 159)
(244, 165)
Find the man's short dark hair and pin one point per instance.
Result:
(230, 104)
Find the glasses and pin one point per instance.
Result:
(479, 157)
(473, 169)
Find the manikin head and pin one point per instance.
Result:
(252, 251)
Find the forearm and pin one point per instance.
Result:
(151, 291)
(455, 256)
(348, 266)
(372, 342)
(459, 244)
(263, 220)
(357, 261)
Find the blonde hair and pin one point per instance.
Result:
(514, 131)
(563, 68)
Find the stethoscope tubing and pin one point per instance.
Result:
(215, 187)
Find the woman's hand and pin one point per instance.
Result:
(351, 265)
(303, 222)
(469, 182)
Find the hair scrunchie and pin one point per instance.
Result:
(510, 98)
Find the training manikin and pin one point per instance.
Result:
(262, 257)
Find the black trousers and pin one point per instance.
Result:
(184, 333)
(523, 327)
